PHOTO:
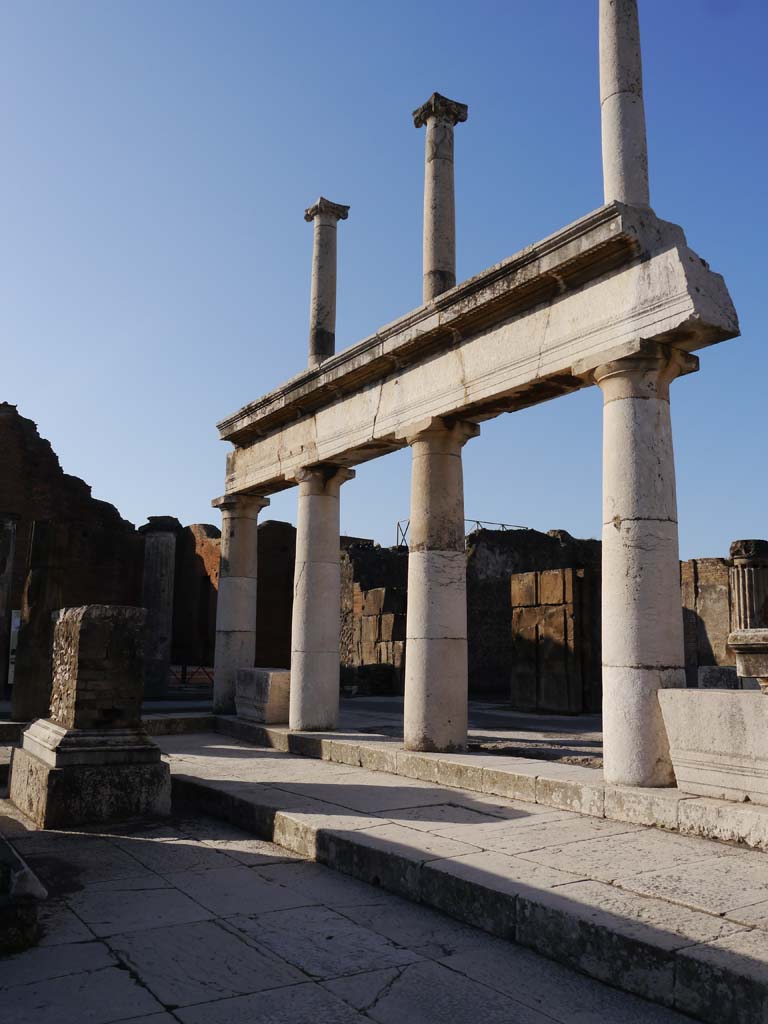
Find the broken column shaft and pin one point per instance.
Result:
(236, 607)
(625, 151)
(322, 304)
(440, 115)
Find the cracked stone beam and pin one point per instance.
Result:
(439, 115)
(322, 303)
(622, 113)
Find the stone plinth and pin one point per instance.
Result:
(751, 649)
(262, 694)
(718, 742)
(91, 761)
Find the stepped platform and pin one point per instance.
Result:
(677, 919)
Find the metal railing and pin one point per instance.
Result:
(476, 524)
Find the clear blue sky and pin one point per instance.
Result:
(154, 262)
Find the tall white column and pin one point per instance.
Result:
(625, 151)
(322, 303)
(436, 625)
(314, 699)
(642, 619)
(440, 115)
(236, 606)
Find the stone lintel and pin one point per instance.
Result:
(324, 205)
(440, 107)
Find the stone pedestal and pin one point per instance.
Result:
(236, 606)
(642, 621)
(436, 624)
(91, 761)
(314, 702)
(160, 535)
(262, 694)
(439, 115)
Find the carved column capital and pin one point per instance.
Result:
(325, 206)
(442, 108)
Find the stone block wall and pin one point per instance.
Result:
(374, 598)
(707, 622)
(554, 666)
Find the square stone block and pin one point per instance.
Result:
(98, 658)
(551, 587)
(262, 694)
(79, 794)
(524, 592)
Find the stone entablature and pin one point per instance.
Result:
(597, 290)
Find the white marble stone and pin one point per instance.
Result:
(642, 622)
(314, 691)
(719, 742)
(625, 151)
(236, 607)
(262, 694)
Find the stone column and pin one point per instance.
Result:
(314, 698)
(7, 550)
(157, 597)
(236, 605)
(436, 623)
(322, 303)
(642, 620)
(749, 584)
(440, 115)
(625, 151)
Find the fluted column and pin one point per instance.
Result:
(436, 624)
(236, 606)
(622, 112)
(314, 699)
(322, 303)
(642, 619)
(749, 584)
(439, 115)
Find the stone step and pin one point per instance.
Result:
(657, 915)
(554, 784)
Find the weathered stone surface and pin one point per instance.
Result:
(62, 797)
(718, 742)
(262, 694)
(91, 761)
(725, 982)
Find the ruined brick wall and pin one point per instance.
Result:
(78, 550)
(274, 595)
(493, 557)
(374, 586)
(707, 622)
(196, 584)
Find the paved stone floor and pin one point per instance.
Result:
(195, 921)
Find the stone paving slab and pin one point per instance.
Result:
(555, 784)
(352, 953)
(616, 900)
